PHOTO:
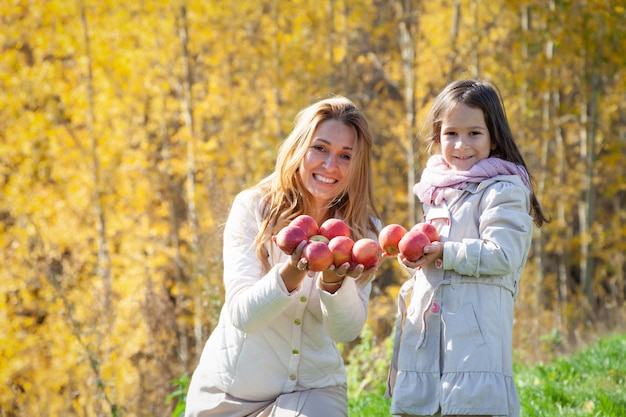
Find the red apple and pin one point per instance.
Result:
(306, 223)
(367, 252)
(289, 238)
(318, 256)
(412, 245)
(341, 247)
(428, 229)
(389, 237)
(319, 238)
(334, 227)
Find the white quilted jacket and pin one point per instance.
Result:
(268, 341)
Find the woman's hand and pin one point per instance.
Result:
(332, 278)
(296, 259)
(294, 270)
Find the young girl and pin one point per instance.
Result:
(274, 350)
(453, 345)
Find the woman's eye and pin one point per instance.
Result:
(319, 148)
(346, 156)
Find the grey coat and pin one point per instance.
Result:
(453, 345)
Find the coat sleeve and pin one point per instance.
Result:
(505, 232)
(253, 298)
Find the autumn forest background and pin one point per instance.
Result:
(126, 129)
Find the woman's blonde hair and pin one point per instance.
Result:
(285, 197)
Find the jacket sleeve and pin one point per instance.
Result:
(345, 312)
(253, 298)
(505, 233)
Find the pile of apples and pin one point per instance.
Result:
(331, 243)
(394, 239)
(328, 244)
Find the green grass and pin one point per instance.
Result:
(369, 405)
(591, 382)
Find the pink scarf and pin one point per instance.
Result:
(438, 176)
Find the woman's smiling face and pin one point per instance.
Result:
(465, 137)
(327, 161)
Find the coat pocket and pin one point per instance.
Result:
(465, 347)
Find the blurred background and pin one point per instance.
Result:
(126, 129)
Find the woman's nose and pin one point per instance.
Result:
(330, 161)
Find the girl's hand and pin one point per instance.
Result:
(432, 253)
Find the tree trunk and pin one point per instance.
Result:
(586, 212)
(407, 28)
(195, 266)
(95, 352)
(476, 38)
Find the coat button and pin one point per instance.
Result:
(435, 308)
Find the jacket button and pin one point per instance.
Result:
(303, 299)
(435, 308)
(297, 322)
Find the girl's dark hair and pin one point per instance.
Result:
(484, 95)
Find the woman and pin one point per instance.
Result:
(274, 350)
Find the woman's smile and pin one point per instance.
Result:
(324, 179)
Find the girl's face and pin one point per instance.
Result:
(464, 137)
(327, 160)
